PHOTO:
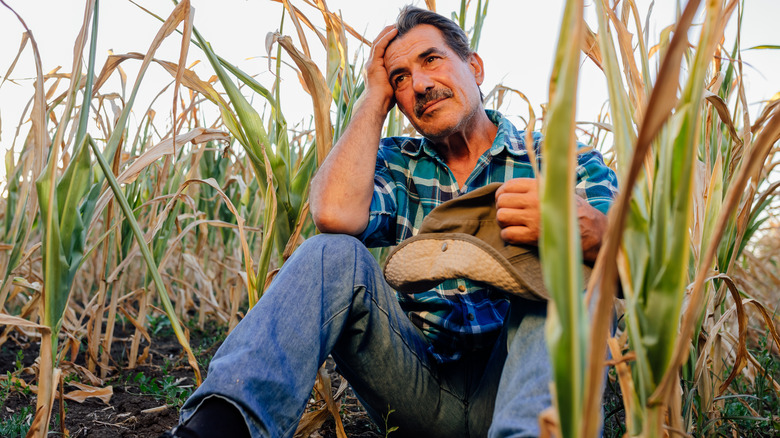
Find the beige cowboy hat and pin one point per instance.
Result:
(461, 239)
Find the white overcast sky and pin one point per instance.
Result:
(517, 43)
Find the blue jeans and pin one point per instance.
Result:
(331, 298)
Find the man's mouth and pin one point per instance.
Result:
(429, 99)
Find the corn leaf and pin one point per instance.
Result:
(560, 240)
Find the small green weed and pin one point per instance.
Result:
(752, 410)
(389, 430)
(166, 389)
(17, 425)
(18, 362)
(210, 338)
(160, 325)
(11, 383)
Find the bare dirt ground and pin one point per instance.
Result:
(145, 399)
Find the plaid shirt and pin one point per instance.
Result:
(411, 179)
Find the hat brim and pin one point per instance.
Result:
(422, 262)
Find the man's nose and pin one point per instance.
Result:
(421, 82)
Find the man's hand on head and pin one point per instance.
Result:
(519, 215)
(342, 188)
(376, 75)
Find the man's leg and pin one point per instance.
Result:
(330, 293)
(524, 387)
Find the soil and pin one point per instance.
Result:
(146, 399)
(139, 407)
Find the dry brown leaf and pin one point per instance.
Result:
(311, 421)
(741, 359)
(189, 12)
(765, 113)
(165, 147)
(753, 161)
(40, 425)
(320, 94)
(83, 373)
(590, 46)
(22, 44)
(634, 78)
(624, 378)
(295, 238)
(139, 329)
(41, 141)
(6, 319)
(300, 15)
(298, 28)
(189, 78)
(662, 102)
(86, 391)
(322, 385)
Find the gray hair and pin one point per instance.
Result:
(457, 40)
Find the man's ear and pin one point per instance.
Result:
(477, 68)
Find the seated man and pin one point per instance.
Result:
(463, 359)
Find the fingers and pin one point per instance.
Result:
(520, 235)
(517, 211)
(518, 185)
(511, 216)
(383, 40)
(517, 200)
(378, 88)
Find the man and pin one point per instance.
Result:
(464, 359)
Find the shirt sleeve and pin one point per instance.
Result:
(380, 230)
(596, 182)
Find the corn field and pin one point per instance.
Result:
(118, 215)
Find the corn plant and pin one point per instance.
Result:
(567, 323)
(665, 230)
(67, 203)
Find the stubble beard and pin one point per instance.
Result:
(442, 130)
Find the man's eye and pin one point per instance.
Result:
(431, 59)
(400, 79)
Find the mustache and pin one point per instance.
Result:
(430, 95)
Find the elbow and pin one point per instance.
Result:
(337, 221)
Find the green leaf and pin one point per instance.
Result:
(559, 244)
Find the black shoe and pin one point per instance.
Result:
(214, 418)
(180, 431)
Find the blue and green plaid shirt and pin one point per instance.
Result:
(411, 179)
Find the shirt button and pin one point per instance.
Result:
(470, 316)
(462, 288)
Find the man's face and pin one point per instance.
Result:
(436, 90)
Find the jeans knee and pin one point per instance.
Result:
(330, 245)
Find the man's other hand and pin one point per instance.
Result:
(517, 211)
(519, 215)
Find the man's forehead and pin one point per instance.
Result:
(415, 42)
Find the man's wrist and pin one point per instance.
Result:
(377, 104)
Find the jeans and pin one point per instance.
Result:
(331, 298)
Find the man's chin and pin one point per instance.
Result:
(435, 127)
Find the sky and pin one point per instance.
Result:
(517, 44)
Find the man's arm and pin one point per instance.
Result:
(342, 188)
(518, 215)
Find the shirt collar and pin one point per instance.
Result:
(507, 138)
